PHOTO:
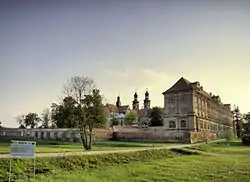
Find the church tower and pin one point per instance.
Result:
(118, 102)
(135, 103)
(146, 101)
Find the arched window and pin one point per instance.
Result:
(172, 124)
(183, 124)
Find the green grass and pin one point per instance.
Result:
(234, 148)
(192, 168)
(57, 147)
(231, 166)
(22, 169)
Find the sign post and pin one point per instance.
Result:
(22, 150)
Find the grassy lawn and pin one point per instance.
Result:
(235, 147)
(76, 147)
(193, 168)
(184, 168)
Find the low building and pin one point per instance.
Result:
(62, 134)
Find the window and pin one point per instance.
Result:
(183, 124)
(171, 100)
(172, 124)
(171, 110)
(183, 98)
(184, 110)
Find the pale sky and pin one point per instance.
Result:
(123, 45)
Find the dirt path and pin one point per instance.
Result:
(111, 151)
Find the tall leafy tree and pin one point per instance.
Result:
(31, 120)
(237, 122)
(246, 124)
(64, 114)
(89, 110)
(156, 117)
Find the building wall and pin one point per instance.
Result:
(198, 110)
(178, 107)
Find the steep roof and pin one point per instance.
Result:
(112, 107)
(181, 85)
(123, 108)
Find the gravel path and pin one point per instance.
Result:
(111, 151)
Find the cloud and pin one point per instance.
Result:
(125, 81)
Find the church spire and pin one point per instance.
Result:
(118, 102)
(135, 103)
(146, 100)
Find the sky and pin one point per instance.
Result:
(124, 46)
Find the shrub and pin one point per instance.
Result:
(229, 136)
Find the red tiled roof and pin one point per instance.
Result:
(123, 108)
(115, 109)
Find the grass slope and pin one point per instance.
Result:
(183, 168)
(231, 166)
(48, 165)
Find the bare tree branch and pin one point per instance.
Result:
(78, 86)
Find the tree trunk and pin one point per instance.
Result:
(90, 140)
(84, 137)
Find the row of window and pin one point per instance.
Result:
(172, 110)
(214, 127)
(172, 124)
(183, 99)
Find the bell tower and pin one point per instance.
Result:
(146, 100)
(135, 103)
(118, 102)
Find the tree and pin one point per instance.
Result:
(21, 120)
(156, 117)
(89, 110)
(246, 124)
(237, 122)
(64, 114)
(46, 118)
(31, 120)
(130, 118)
(114, 121)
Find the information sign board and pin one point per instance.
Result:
(22, 149)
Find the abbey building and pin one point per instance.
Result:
(119, 111)
(188, 107)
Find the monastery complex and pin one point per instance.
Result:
(190, 115)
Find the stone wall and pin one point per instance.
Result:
(153, 134)
(63, 134)
(202, 136)
(160, 134)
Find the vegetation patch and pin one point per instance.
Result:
(184, 151)
(24, 168)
